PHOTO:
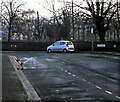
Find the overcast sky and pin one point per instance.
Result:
(40, 5)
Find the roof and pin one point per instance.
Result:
(64, 40)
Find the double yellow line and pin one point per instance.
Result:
(30, 91)
(19, 63)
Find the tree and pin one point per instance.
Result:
(102, 14)
(10, 12)
(49, 30)
(60, 22)
(65, 26)
(118, 20)
(29, 24)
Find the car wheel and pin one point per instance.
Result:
(49, 51)
(65, 50)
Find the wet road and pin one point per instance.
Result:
(72, 76)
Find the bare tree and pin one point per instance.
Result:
(29, 23)
(118, 20)
(10, 11)
(102, 14)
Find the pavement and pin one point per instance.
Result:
(0, 78)
(12, 88)
(109, 53)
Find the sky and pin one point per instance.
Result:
(42, 5)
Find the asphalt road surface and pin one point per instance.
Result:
(72, 76)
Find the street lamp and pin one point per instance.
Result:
(72, 21)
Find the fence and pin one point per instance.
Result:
(79, 46)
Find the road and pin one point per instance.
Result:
(72, 76)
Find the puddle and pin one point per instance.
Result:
(32, 63)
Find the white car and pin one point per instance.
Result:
(62, 45)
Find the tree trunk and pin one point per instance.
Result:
(101, 30)
(9, 32)
(101, 36)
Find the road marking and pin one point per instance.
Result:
(98, 87)
(71, 98)
(73, 75)
(66, 71)
(83, 79)
(73, 83)
(57, 91)
(108, 92)
(69, 73)
(89, 82)
(117, 97)
(97, 74)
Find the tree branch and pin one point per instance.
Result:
(108, 9)
(97, 8)
(102, 8)
(108, 22)
(5, 18)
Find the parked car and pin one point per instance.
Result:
(62, 45)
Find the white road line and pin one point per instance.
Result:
(66, 71)
(89, 82)
(69, 73)
(97, 74)
(61, 68)
(108, 92)
(57, 91)
(98, 87)
(117, 97)
(83, 79)
(73, 75)
(71, 98)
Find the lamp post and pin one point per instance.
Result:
(92, 32)
(72, 22)
(118, 20)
